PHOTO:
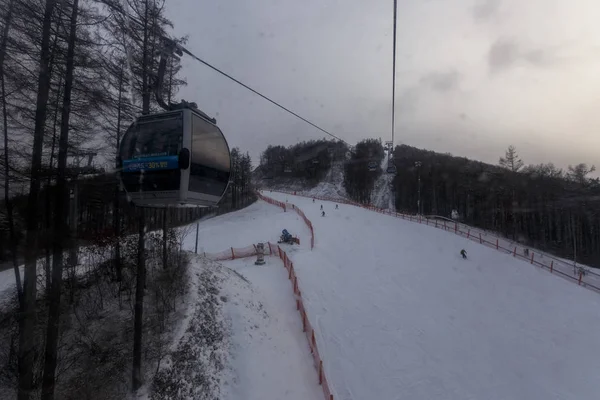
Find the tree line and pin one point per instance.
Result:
(73, 75)
(539, 205)
(362, 169)
(308, 161)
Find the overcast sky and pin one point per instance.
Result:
(473, 76)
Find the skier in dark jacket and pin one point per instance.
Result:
(463, 253)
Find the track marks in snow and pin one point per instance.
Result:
(270, 355)
(401, 315)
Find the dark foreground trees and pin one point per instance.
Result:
(73, 76)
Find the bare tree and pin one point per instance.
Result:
(579, 173)
(27, 323)
(7, 200)
(61, 228)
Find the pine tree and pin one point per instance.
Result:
(511, 160)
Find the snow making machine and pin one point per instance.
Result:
(287, 238)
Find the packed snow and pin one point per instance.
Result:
(400, 315)
(382, 196)
(270, 355)
(259, 222)
(332, 185)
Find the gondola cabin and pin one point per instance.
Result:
(175, 158)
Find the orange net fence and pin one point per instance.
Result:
(232, 253)
(285, 206)
(272, 201)
(274, 250)
(566, 269)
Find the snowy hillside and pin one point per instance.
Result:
(400, 315)
(269, 354)
(331, 186)
(383, 196)
(397, 313)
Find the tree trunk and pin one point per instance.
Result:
(62, 230)
(139, 306)
(117, 209)
(164, 242)
(27, 346)
(7, 200)
(48, 214)
(136, 382)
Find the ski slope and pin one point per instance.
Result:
(270, 355)
(270, 358)
(400, 315)
(382, 196)
(259, 222)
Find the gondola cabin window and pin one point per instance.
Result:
(210, 161)
(153, 145)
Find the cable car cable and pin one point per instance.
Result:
(241, 83)
(131, 18)
(260, 94)
(394, 76)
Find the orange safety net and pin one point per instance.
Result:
(297, 210)
(272, 249)
(565, 269)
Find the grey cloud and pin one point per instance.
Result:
(504, 53)
(340, 54)
(484, 9)
(543, 57)
(407, 101)
(441, 81)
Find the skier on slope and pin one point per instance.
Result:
(322, 213)
(463, 253)
(321, 206)
(336, 206)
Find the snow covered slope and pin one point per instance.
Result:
(331, 186)
(259, 222)
(271, 358)
(382, 195)
(400, 315)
